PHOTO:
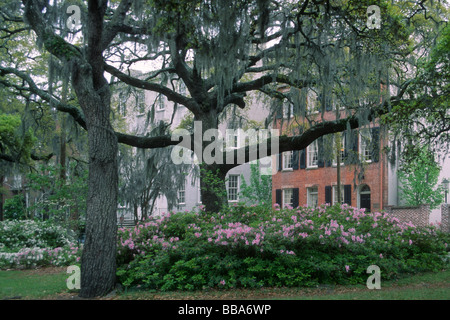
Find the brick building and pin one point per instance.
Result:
(308, 177)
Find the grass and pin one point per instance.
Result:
(433, 286)
(50, 283)
(32, 284)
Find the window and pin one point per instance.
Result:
(287, 159)
(337, 103)
(160, 104)
(312, 154)
(312, 197)
(364, 198)
(288, 109)
(140, 102)
(342, 147)
(233, 187)
(335, 194)
(182, 88)
(232, 141)
(182, 194)
(312, 105)
(364, 145)
(287, 197)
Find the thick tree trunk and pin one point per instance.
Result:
(213, 188)
(98, 261)
(212, 175)
(98, 268)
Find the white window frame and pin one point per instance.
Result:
(365, 140)
(288, 109)
(343, 142)
(161, 104)
(286, 193)
(312, 154)
(140, 102)
(181, 195)
(235, 188)
(312, 192)
(311, 104)
(286, 159)
(232, 141)
(334, 194)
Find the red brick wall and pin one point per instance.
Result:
(417, 215)
(374, 177)
(445, 218)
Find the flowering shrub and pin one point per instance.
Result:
(28, 243)
(253, 247)
(35, 257)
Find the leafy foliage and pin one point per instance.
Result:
(424, 117)
(16, 235)
(419, 177)
(12, 141)
(259, 188)
(14, 208)
(28, 243)
(59, 198)
(254, 247)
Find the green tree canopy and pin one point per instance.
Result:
(15, 145)
(418, 178)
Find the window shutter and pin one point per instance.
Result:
(345, 138)
(328, 194)
(295, 194)
(320, 153)
(348, 194)
(295, 160)
(355, 141)
(353, 145)
(280, 161)
(375, 147)
(302, 159)
(278, 195)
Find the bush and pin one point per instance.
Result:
(31, 243)
(254, 247)
(15, 207)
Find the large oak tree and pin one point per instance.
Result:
(219, 51)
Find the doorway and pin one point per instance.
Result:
(364, 197)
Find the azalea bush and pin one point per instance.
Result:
(29, 243)
(255, 247)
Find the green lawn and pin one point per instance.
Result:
(50, 283)
(32, 284)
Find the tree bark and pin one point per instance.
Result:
(212, 175)
(98, 261)
(213, 187)
(98, 264)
